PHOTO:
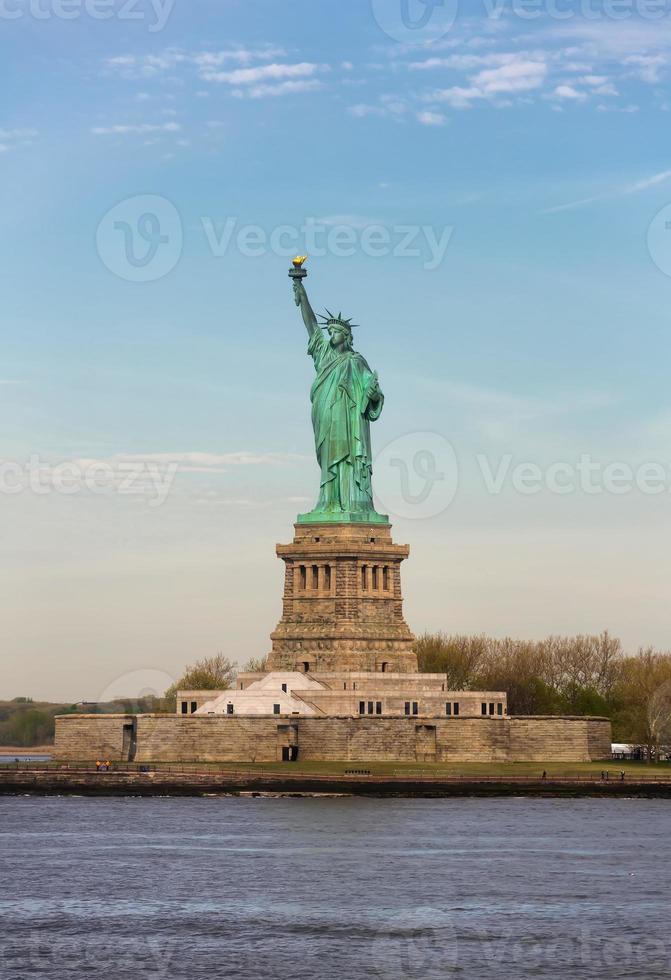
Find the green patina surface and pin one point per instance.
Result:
(346, 397)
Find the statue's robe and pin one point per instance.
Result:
(341, 415)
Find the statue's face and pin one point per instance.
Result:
(338, 339)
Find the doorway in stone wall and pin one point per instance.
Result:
(129, 746)
(287, 743)
(425, 743)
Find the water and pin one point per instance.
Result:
(334, 888)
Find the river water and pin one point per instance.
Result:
(334, 888)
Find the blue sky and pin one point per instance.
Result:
(535, 148)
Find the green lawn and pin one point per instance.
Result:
(632, 769)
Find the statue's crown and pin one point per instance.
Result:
(337, 321)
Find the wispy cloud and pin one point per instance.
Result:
(281, 88)
(130, 128)
(643, 185)
(262, 73)
(234, 67)
(155, 64)
(11, 138)
(623, 191)
(428, 118)
(569, 92)
(201, 462)
(515, 76)
(578, 62)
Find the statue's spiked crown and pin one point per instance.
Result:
(343, 323)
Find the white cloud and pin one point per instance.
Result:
(515, 76)
(635, 188)
(593, 80)
(282, 88)
(569, 92)
(11, 138)
(152, 65)
(613, 39)
(261, 73)
(643, 185)
(241, 56)
(361, 110)
(8, 135)
(650, 68)
(200, 462)
(122, 130)
(428, 118)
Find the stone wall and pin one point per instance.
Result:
(222, 738)
(93, 737)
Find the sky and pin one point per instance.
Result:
(484, 187)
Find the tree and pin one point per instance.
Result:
(256, 665)
(459, 657)
(575, 674)
(581, 662)
(643, 697)
(518, 667)
(209, 674)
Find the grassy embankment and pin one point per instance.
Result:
(580, 770)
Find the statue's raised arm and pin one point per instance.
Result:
(302, 301)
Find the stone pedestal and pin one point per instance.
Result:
(343, 605)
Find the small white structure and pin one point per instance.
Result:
(274, 694)
(343, 694)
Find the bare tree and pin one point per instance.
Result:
(644, 694)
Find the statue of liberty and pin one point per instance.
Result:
(346, 398)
